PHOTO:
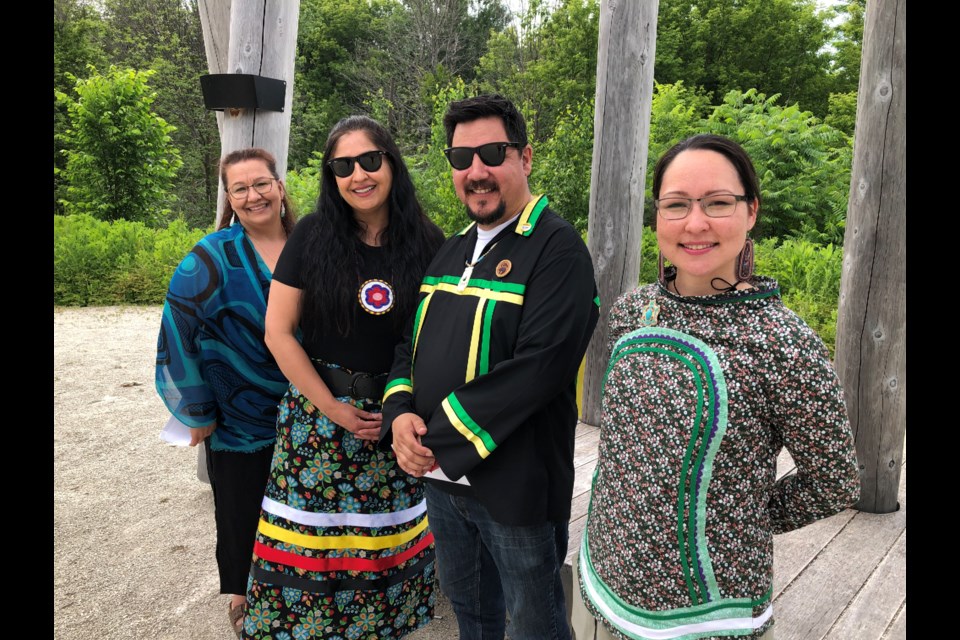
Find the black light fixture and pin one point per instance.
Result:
(242, 91)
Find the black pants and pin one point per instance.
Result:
(238, 481)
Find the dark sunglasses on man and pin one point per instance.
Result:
(491, 154)
(370, 161)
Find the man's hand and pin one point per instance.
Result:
(414, 458)
(199, 434)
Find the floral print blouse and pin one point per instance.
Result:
(700, 396)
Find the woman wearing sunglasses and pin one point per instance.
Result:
(214, 372)
(343, 549)
(709, 378)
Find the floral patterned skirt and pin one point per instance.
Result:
(343, 550)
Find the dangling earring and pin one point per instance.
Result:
(745, 262)
(660, 269)
(283, 210)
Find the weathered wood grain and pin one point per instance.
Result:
(260, 38)
(585, 444)
(215, 22)
(871, 322)
(873, 609)
(625, 54)
(263, 41)
(785, 464)
(898, 630)
(795, 551)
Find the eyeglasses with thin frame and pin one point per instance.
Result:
(719, 205)
(370, 161)
(263, 186)
(491, 154)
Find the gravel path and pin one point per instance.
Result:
(133, 526)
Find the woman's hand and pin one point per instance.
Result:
(360, 423)
(199, 434)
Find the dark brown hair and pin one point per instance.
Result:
(252, 153)
(710, 142)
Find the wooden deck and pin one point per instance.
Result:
(841, 578)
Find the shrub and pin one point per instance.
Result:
(122, 262)
(120, 160)
(303, 185)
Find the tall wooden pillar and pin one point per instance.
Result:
(871, 353)
(626, 50)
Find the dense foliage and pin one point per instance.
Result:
(120, 162)
(122, 262)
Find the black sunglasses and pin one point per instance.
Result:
(491, 154)
(370, 161)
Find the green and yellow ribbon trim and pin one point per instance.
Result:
(462, 422)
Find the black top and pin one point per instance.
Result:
(370, 342)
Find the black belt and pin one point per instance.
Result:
(358, 385)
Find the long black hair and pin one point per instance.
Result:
(330, 267)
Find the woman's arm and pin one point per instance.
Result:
(809, 413)
(179, 375)
(282, 320)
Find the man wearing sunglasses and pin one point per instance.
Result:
(481, 400)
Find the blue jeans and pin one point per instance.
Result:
(488, 569)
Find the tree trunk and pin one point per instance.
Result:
(626, 50)
(871, 325)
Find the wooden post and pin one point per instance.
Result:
(871, 325)
(626, 50)
(215, 21)
(261, 39)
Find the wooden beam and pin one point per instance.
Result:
(626, 50)
(871, 323)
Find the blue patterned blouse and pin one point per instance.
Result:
(212, 363)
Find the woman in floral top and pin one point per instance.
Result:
(343, 549)
(709, 378)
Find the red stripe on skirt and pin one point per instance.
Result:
(339, 564)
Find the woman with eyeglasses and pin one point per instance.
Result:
(343, 549)
(709, 378)
(214, 371)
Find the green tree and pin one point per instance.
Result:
(328, 35)
(774, 46)
(548, 64)
(562, 165)
(166, 36)
(417, 49)
(430, 170)
(842, 113)
(848, 45)
(77, 31)
(803, 165)
(120, 160)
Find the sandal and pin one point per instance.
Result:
(236, 617)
